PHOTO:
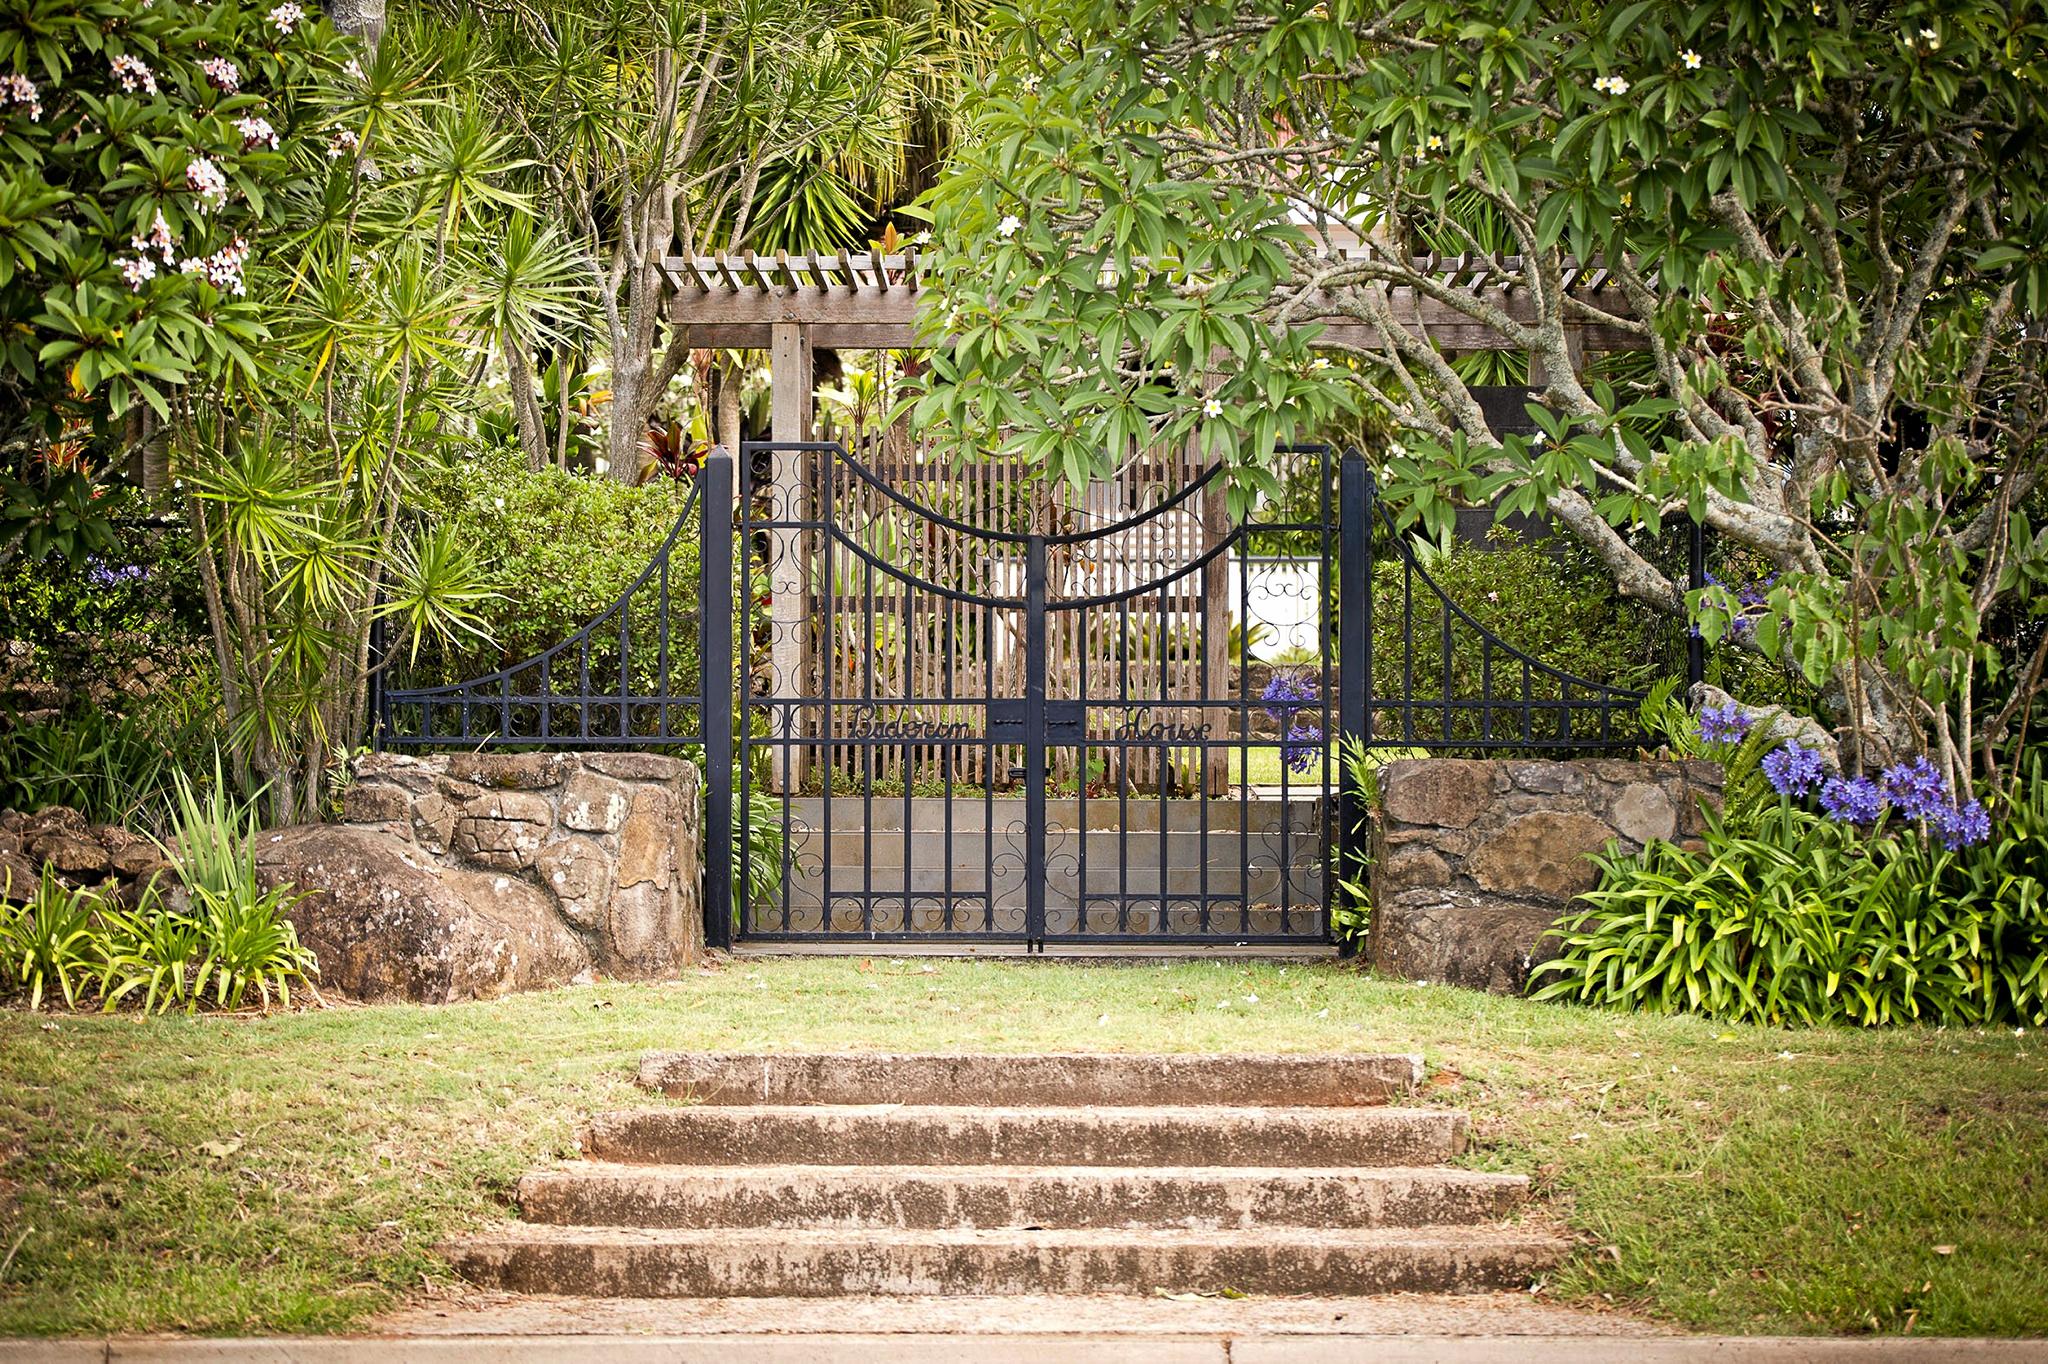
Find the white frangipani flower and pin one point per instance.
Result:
(1689, 59)
(222, 74)
(256, 132)
(207, 182)
(18, 89)
(1212, 408)
(133, 73)
(1009, 225)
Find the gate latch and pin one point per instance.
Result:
(1065, 721)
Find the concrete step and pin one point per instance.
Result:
(744, 1263)
(934, 1197)
(1073, 1079)
(946, 1135)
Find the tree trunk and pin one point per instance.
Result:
(727, 428)
(525, 409)
(362, 19)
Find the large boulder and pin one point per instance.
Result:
(1784, 726)
(386, 923)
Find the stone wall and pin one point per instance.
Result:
(76, 852)
(470, 875)
(1474, 860)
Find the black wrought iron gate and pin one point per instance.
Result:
(992, 731)
(1018, 720)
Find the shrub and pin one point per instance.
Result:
(1532, 596)
(1811, 920)
(48, 943)
(233, 936)
(112, 769)
(135, 605)
(150, 949)
(560, 547)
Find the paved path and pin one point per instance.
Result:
(1391, 1329)
(983, 1349)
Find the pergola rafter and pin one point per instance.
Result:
(859, 300)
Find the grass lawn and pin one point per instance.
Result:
(292, 1173)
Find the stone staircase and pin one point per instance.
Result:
(857, 1175)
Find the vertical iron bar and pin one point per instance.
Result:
(1082, 620)
(1123, 766)
(1354, 639)
(870, 750)
(1034, 742)
(380, 714)
(1696, 579)
(1203, 690)
(714, 623)
(1244, 742)
(828, 672)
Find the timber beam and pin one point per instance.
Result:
(859, 301)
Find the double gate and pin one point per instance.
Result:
(1031, 723)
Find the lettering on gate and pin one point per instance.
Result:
(867, 722)
(1140, 728)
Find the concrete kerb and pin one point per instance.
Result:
(984, 1349)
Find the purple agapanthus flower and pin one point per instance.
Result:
(1965, 825)
(1917, 788)
(1304, 745)
(1793, 770)
(1726, 724)
(1289, 692)
(104, 575)
(1852, 800)
(1286, 696)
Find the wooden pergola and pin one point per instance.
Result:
(795, 306)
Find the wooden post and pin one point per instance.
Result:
(1216, 655)
(789, 371)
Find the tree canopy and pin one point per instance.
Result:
(1827, 221)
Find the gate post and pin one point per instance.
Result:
(715, 567)
(1354, 675)
(1696, 580)
(1034, 743)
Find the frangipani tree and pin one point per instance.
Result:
(1827, 223)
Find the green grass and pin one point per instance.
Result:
(292, 1173)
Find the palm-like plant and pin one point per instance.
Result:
(535, 290)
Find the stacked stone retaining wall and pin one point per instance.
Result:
(1475, 860)
(467, 875)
